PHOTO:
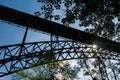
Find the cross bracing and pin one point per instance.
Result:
(26, 55)
(38, 53)
(46, 26)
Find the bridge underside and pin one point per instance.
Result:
(36, 23)
(39, 53)
(17, 57)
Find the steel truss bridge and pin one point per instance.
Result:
(77, 45)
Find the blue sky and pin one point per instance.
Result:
(10, 34)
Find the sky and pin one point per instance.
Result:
(11, 34)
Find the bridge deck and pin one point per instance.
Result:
(21, 18)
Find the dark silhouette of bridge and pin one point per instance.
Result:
(78, 44)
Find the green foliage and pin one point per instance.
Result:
(86, 73)
(97, 13)
(51, 71)
(101, 17)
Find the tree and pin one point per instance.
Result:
(51, 71)
(100, 17)
(60, 70)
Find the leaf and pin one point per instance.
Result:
(94, 71)
(56, 17)
(86, 73)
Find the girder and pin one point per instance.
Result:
(17, 57)
(39, 53)
(33, 22)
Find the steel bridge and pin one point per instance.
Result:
(77, 45)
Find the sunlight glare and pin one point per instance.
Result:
(94, 46)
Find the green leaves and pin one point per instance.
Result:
(48, 71)
(96, 16)
(98, 13)
(86, 73)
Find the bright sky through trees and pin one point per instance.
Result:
(10, 34)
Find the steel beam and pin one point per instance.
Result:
(39, 53)
(24, 19)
